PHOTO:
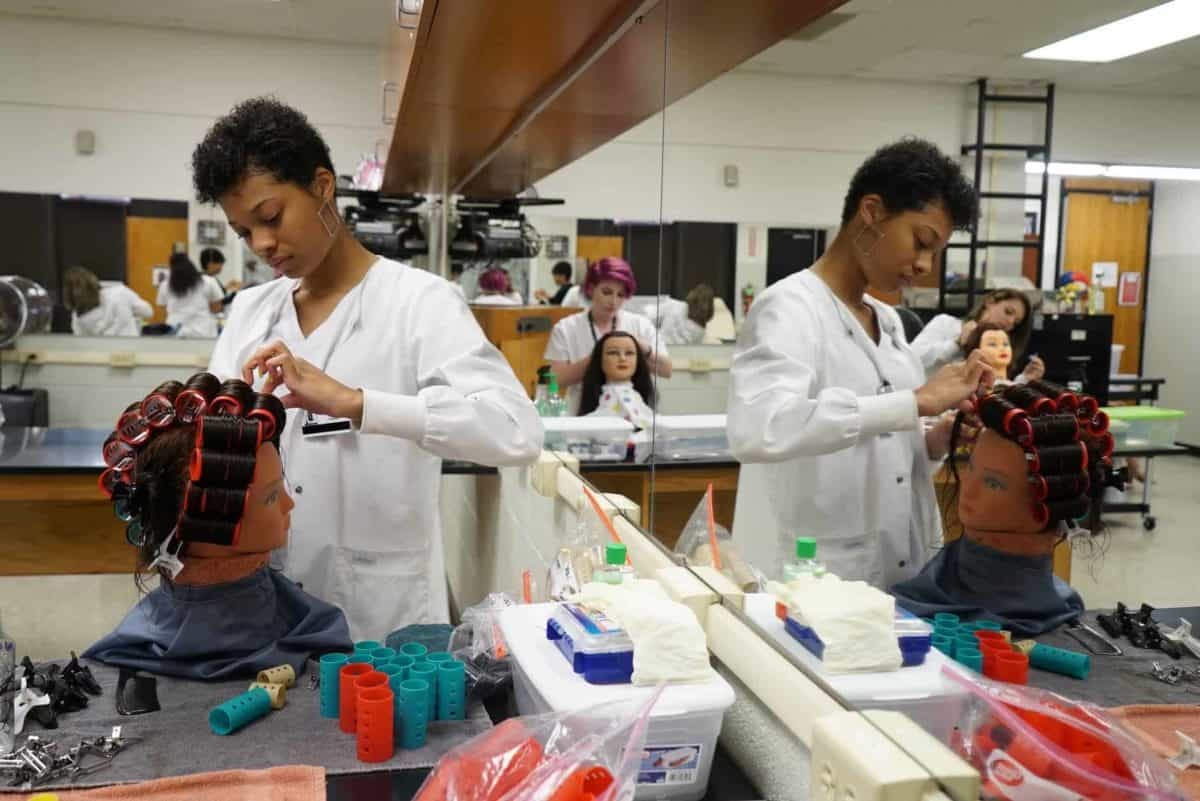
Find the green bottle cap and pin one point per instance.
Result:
(615, 553)
(806, 548)
(552, 381)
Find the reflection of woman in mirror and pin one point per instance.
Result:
(945, 339)
(617, 381)
(192, 300)
(196, 474)
(826, 396)
(609, 283)
(384, 366)
(1040, 460)
(102, 311)
(494, 289)
(687, 326)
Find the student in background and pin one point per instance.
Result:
(192, 300)
(562, 279)
(212, 262)
(102, 310)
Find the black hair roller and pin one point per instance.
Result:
(1070, 458)
(1063, 398)
(1067, 508)
(269, 411)
(159, 406)
(216, 469)
(1000, 415)
(1052, 488)
(215, 503)
(1100, 448)
(214, 532)
(1033, 402)
(192, 401)
(228, 435)
(235, 398)
(1054, 429)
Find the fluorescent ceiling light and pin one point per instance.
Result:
(1136, 171)
(1137, 33)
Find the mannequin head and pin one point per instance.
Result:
(197, 465)
(1009, 309)
(1042, 457)
(993, 341)
(616, 358)
(902, 205)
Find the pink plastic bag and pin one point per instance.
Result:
(1034, 745)
(590, 755)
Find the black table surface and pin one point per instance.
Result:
(1122, 680)
(727, 782)
(77, 450)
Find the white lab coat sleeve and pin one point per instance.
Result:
(469, 405)
(937, 344)
(161, 297)
(774, 414)
(222, 363)
(558, 348)
(140, 308)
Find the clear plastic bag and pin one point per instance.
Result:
(696, 544)
(1034, 745)
(589, 755)
(479, 645)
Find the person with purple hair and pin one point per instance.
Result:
(494, 288)
(608, 284)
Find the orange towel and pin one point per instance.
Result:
(1155, 725)
(289, 783)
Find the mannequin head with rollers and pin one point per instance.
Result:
(194, 469)
(1042, 456)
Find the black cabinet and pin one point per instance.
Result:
(1077, 350)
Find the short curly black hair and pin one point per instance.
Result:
(909, 175)
(259, 134)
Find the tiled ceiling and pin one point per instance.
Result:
(958, 41)
(359, 22)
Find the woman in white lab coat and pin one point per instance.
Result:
(943, 338)
(608, 284)
(826, 396)
(384, 365)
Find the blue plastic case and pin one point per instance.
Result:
(914, 636)
(594, 645)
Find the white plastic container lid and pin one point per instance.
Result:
(524, 629)
(592, 424)
(673, 423)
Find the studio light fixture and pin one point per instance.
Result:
(1142, 172)
(1137, 33)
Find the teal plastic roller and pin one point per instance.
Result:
(1061, 661)
(412, 710)
(381, 656)
(944, 644)
(391, 670)
(404, 661)
(970, 657)
(438, 657)
(428, 673)
(946, 617)
(331, 664)
(237, 712)
(361, 656)
(451, 690)
(414, 649)
(988, 625)
(367, 646)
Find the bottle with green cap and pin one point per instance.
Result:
(557, 404)
(615, 571)
(806, 563)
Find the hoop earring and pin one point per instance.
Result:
(330, 227)
(878, 238)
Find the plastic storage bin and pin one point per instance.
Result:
(690, 436)
(684, 725)
(595, 647)
(1144, 426)
(590, 439)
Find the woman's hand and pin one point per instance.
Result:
(937, 436)
(541, 294)
(1035, 369)
(308, 387)
(954, 384)
(967, 329)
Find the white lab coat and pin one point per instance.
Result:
(365, 531)
(937, 344)
(116, 316)
(825, 453)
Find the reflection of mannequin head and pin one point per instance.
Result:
(993, 341)
(616, 358)
(197, 466)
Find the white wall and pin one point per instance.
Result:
(149, 94)
(1174, 296)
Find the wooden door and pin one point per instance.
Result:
(149, 242)
(593, 248)
(1109, 220)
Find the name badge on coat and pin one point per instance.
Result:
(318, 425)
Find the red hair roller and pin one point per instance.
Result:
(190, 406)
(133, 428)
(159, 410)
(226, 405)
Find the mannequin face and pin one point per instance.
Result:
(997, 350)
(994, 494)
(279, 221)
(1007, 314)
(620, 357)
(268, 511)
(894, 249)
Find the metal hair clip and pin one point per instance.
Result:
(167, 560)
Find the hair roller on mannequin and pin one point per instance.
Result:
(1064, 399)
(234, 399)
(192, 401)
(1029, 399)
(228, 434)
(159, 406)
(270, 412)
